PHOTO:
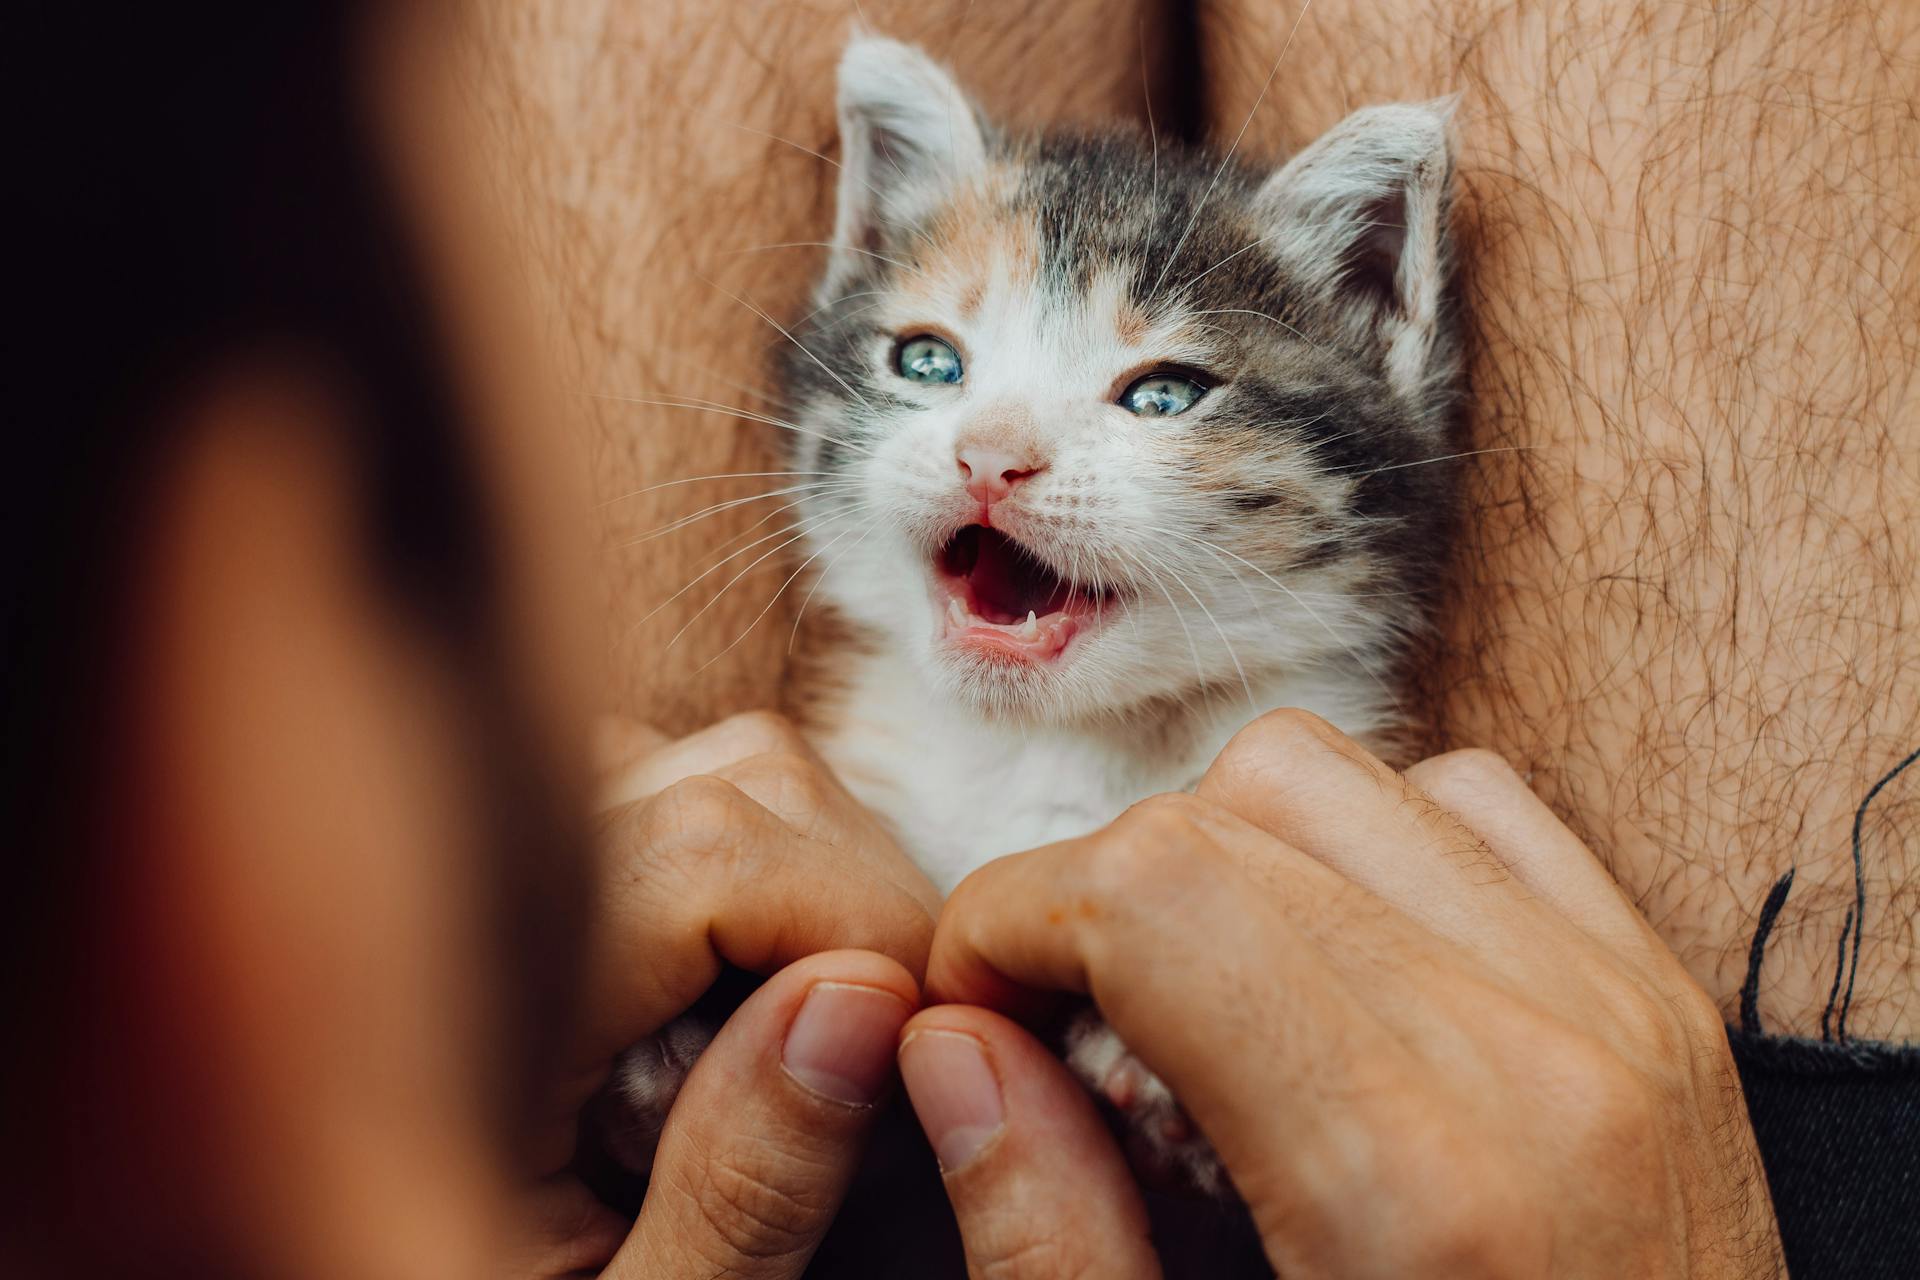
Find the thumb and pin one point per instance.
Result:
(768, 1129)
(1039, 1188)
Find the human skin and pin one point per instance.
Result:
(1684, 594)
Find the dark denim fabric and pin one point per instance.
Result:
(1839, 1131)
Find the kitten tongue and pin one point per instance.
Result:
(1004, 582)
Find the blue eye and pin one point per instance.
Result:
(1161, 395)
(927, 359)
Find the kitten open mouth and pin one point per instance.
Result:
(1005, 602)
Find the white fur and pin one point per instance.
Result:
(962, 790)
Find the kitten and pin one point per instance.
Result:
(1128, 443)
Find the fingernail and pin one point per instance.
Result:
(841, 1042)
(954, 1092)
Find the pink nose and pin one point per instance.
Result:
(990, 474)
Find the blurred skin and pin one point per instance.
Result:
(299, 927)
(316, 1027)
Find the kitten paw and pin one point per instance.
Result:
(646, 1080)
(1162, 1141)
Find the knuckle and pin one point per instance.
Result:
(751, 1212)
(1152, 844)
(691, 824)
(1473, 769)
(1458, 845)
(1695, 1014)
(1171, 812)
(759, 732)
(695, 811)
(797, 779)
(1265, 756)
(1285, 731)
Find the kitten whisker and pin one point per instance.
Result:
(821, 577)
(801, 501)
(1278, 235)
(1245, 684)
(1246, 311)
(680, 358)
(844, 298)
(1146, 92)
(1255, 244)
(803, 528)
(710, 406)
(719, 560)
(1261, 97)
(681, 522)
(718, 475)
(1199, 671)
(801, 346)
(822, 244)
(1449, 457)
(780, 591)
(774, 137)
(1308, 610)
(649, 616)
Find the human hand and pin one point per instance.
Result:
(736, 845)
(1422, 1027)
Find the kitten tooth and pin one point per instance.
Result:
(956, 612)
(1030, 629)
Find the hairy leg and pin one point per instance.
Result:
(637, 152)
(1691, 587)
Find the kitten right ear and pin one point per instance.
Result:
(908, 138)
(1361, 215)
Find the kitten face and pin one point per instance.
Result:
(1098, 422)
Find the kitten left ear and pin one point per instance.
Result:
(909, 138)
(1361, 215)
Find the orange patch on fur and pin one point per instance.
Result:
(1130, 322)
(981, 234)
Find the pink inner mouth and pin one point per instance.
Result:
(1003, 602)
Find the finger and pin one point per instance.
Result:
(1039, 1188)
(768, 1129)
(1161, 926)
(1296, 776)
(1542, 853)
(799, 788)
(766, 757)
(702, 875)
